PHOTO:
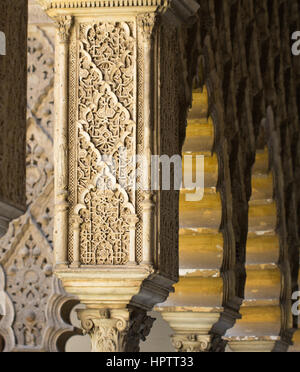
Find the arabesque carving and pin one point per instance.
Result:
(112, 103)
(36, 302)
(105, 125)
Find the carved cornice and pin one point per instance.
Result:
(115, 284)
(65, 4)
(176, 11)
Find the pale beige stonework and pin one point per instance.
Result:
(124, 70)
(12, 116)
(116, 84)
(36, 305)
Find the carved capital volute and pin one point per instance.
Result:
(147, 24)
(106, 328)
(64, 24)
(191, 343)
(115, 330)
(76, 221)
(132, 220)
(192, 327)
(148, 202)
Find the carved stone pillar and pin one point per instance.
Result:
(119, 88)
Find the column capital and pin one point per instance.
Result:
(107, 328)
(147, 23)
(192, 343)
(64, 24)
(192, 326)
(115, 330)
